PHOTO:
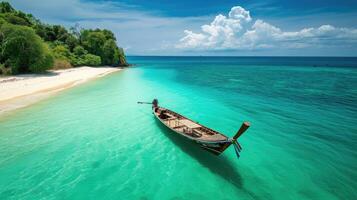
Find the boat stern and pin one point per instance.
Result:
(237, 146)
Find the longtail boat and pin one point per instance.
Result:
(211, 140)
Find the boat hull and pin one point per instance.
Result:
(215, 147)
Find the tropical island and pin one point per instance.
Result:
(171, 128)
(37, 59)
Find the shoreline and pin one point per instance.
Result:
(24, 90)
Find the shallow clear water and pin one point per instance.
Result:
(95, 142)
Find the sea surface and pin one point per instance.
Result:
(95, 142)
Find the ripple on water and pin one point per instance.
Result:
(95, 141)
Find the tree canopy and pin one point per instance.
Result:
(28, 45)
(23, 50)
(5, 7)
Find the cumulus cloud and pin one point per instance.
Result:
(239, 31)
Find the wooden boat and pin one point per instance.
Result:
(207, 138)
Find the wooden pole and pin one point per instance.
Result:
(241, 130)
(140, 102)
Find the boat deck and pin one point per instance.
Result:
(188, 127)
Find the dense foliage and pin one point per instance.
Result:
(23, 50)
(28, 45)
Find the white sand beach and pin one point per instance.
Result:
(23, 90)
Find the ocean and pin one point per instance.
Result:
(95, 142)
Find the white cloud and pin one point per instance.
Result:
(239, 13)
(145, 32)
(238, 31)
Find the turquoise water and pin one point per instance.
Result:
(95, 142)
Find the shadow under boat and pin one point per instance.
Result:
(219, 165)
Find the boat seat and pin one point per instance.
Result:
(189, 124)
(195, 133)
(172, 122)
(179, 126)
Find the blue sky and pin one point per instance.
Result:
(213, 27)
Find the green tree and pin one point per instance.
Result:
(79, 51)
(24, 16)
(60, 32)
(45, 31)
(122, 58)
(44, 62)
(61, 51)
(12, 18)
(23, 50)
(5, 7)
(108, 34)
(91, 60)
(40, 30)
(110, 53)
(71, 42)
(102, 43)
(93, 42)
(2, 21)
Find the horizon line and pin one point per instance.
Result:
(240, 56)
